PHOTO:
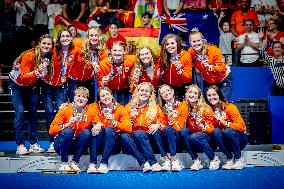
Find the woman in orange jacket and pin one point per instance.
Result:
(24, 86)
(71, 127)
(176, 113)
(147, 68)
(111, 132)
(147, 121)
(86, 64)
(230, 127)
(177, 64)
(115, 71)
(198, 134)
(209, 61)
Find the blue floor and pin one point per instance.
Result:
(256, 177)
(11, 145)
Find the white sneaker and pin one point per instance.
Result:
(22, 150)
(35, 148)
(64, 166)
(176, 166)
(51, 148)
(1, 90)
(74, 166)
(92, 168)
(146, 167)
(196, 165)
(166, 166)
(156, 167)
(228, 165)
(214, 163)
(103, 168)
(239, 164)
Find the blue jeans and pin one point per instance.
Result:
(53, 97)
(121, 96)
(173, 139)
(218, 137)
(73, 85)
(185, 133)
(64, 143)
(142, 140)
(107, 141)
(20, 96)
(201, 142)
(236, 140)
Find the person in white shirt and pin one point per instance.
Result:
(41, 12)
(173, 6)
(22, 7)
(248, 44)
(53, 9)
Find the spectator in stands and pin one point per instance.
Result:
(147, 121)
(74, 31)
(75, 9)
(264, 10)
(197, 135)
(177, 64)
(53, 9)
(176, 113)
(191, 5)
(239, 16)
(71, 126)
(226, 38)
(114, 35)
(218, 6)
(229, 132)
(22, 7)
(103, 4)
(272, 35)
(248, 44)
(173, 6)
(24, 86)
(40, 17)
(111, 131)
(115, 71)
(147, 68)
(146, 20)
(208, 60)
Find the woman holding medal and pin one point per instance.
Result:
(147, 122)
(24, 85)
(229, 128)
(209, 61)
(54, 89)
(176, 113)
(198, 134)
(115, 71)
(177, 64)
(86, 64)
(71, 127)
(147, 68)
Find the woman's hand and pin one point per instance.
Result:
(153, 128)
(96, 129)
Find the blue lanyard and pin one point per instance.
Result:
(94, 58)
(64, 63)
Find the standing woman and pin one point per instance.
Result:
(115, 71)
(230, 127)
(147, 68)
(54, 89)
(177, 64)
(209, 61)
(24, 87)
(198, 134)
(86, 64)
(147, 121)
(176, 113)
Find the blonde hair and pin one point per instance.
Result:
(104, 89)
(160, 99)
(152, 110)
(82, 90)
(204, 44)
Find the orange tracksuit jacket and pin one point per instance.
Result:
(170, 75)
(218, 69)
(179, 117)
(27, 75)
(232, 117)
(144, 77)
(121, 117)
(139, 122)
(119, 81)
(208, 119)
(63, 116)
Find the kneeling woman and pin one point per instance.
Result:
(230, 127)
(200, 126)
(71, 127)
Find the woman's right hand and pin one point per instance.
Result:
(63, 106)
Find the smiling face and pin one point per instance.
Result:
(45, 45)
(113, 30)
(271, 25)
(196, 41)
(212, 97)
(93, 36)
(117, 52)
(144, 93)
(80, 100)
(146, 20)
(277, 49)
(167, 93)
(73, 31)
(145, 56)
(171, 46)
(192, 95)
(65, 38)
(106, 97)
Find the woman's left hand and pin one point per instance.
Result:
(153, 128)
